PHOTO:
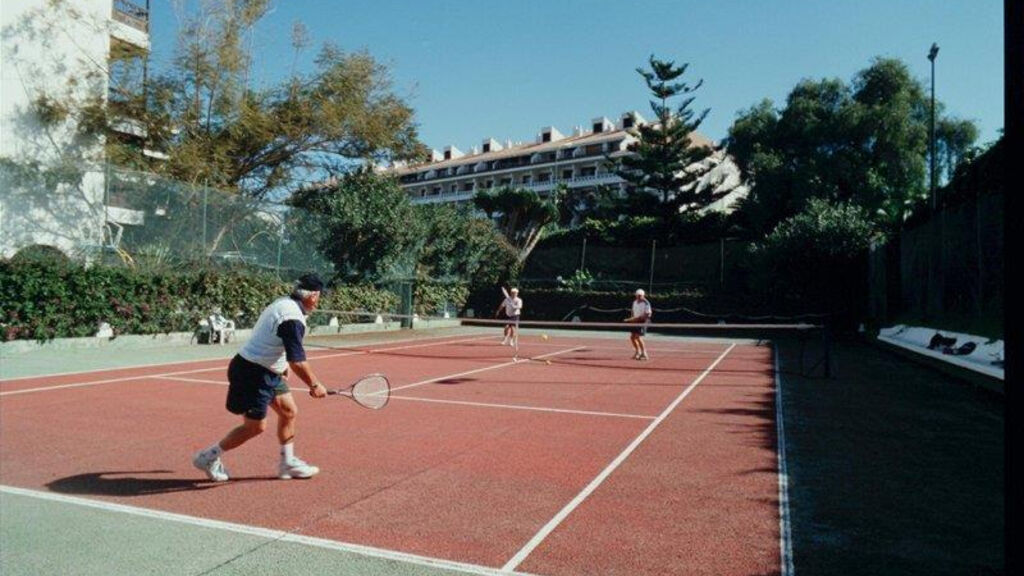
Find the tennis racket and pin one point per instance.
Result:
(372, 391)
(505, 292)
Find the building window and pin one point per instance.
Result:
(627, 122)
(566, 174)
(467, 187)
(544, 177)
(526, 179)
(487, 147)
(588, 171)
(506, 182)
(598, 127)
(454, 188)
(436, 191)
(489, 184)
(423, 192)
(545, 137)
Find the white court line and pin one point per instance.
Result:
(524, 407)
(107, 381)
(273, 535)
(486, 368)
(195, 361)
(461, 402)
(625, 349)
(785, 529)
(196, 380)
(518, 558)
(220, 367)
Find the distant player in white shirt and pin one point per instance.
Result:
(641, 315)
(512, 306)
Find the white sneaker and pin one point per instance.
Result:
(213, 467)
(505, 342)
(643, 357)
(296, 468)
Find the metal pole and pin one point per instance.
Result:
(931, 57)
(650, 282)
(280, 240)
(933, 297)
(721, 261)
(205, 189)
(583, 255)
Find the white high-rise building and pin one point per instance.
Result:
(82, 52)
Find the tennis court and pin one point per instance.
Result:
(572, 458)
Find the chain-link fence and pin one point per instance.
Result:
(950, 266)
(140, 220)
(713, 265)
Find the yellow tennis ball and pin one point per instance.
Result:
(543, 336)
(548, 362)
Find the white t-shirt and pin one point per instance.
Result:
(513, 306)
(642, 309)
(265, 347)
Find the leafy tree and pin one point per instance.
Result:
(521, 216)
(219, 130)
(864, 143)
(459, 246)
(664, 153)
(814, 261)
(954, 142)
(367, 227)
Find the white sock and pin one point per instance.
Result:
(287, 452)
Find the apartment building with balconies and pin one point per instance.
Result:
(58, 55)
(578, 161)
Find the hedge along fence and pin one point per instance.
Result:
(45, 300)
(431, 298)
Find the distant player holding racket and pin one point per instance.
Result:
(512, 306)
(641, 315)
(256, 382)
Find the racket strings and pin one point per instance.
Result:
(372, 391)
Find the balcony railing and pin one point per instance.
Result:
(131, 14)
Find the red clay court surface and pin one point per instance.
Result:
(592, 463)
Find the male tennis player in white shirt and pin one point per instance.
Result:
(513, 306)
(256, 382)
(641, 315)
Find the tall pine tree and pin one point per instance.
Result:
(664, 157)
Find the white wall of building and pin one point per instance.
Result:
(59, 49)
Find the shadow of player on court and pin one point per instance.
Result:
(136, 483)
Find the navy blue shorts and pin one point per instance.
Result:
(251, 388)
(640, 330)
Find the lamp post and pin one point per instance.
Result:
(931, 138)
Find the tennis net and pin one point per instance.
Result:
(674, 346)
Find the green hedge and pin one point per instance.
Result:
(435, 298)
(50, 299)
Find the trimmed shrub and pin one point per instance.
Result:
(42, 300)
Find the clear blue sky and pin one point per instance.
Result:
(505, 69)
